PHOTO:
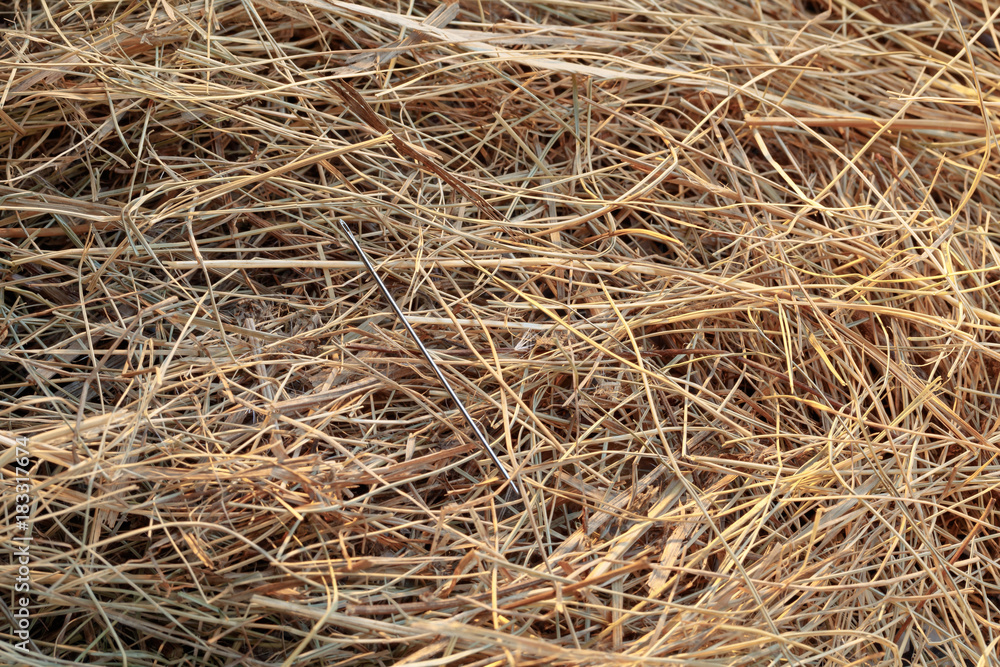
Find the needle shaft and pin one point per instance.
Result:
(427, 355)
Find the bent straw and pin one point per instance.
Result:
(427, 355)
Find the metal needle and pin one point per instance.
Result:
(430, 360)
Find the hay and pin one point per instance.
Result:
(718, 280)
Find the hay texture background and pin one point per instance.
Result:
(718, 279)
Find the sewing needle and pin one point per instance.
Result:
(427, 355)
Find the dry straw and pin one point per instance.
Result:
(719, 278)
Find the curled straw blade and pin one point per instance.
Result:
(427, 355)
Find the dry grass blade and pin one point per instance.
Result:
(721, 277)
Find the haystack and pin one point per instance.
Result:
(717, 280)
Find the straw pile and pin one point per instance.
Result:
(718, 279)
